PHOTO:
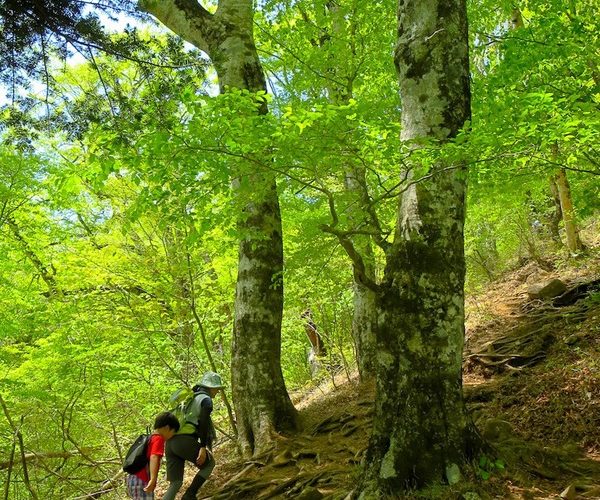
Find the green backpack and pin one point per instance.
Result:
(181, 403)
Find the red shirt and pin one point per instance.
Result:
(156, 446)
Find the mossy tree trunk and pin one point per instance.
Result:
(422, 432)
(261, 401)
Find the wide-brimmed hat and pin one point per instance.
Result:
(211, 380)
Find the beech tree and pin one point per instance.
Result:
(340, 92)
(421, 430)
(262, 404)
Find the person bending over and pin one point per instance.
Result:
(193, 441)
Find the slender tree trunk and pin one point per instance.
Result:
(262, 404)
(556, 216)
(180, 299)
(364, 322)
(421, 430)
(574, 243)
(364, 318)
(365, 313)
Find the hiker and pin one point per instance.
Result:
(193, 441)
(141, 485)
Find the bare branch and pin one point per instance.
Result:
(18, 437)
(29, 457)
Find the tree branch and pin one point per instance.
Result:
(28, 457)
(47, 276)
(186, 18)
(359, 264)
(18, 437)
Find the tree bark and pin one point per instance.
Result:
(556, 216)
(364, 318)
(262, 404)
(574, 243)
(421, 430)
(261, 401)
(364, 315)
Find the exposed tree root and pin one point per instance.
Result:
(286, 471)
(264, 489)
(334, 423)
(527, 343)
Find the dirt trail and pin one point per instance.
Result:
(541, 419)
(321, 459)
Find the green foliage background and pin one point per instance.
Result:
(119, 187)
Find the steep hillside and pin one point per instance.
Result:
(532, 382)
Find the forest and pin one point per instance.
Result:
(378, 222)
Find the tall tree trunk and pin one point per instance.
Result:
(262, 404)
(421, 430)
(574, 243)
(364, 315)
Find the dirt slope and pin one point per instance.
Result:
(532, 383)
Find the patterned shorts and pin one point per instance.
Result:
(135, 488)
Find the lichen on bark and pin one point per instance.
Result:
(421, 428)
(262, 403)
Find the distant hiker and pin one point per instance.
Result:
(141, 484)
(193, 441)
(318, 350)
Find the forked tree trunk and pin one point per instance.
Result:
(421, 430)
(262, 404)
(574, 243)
